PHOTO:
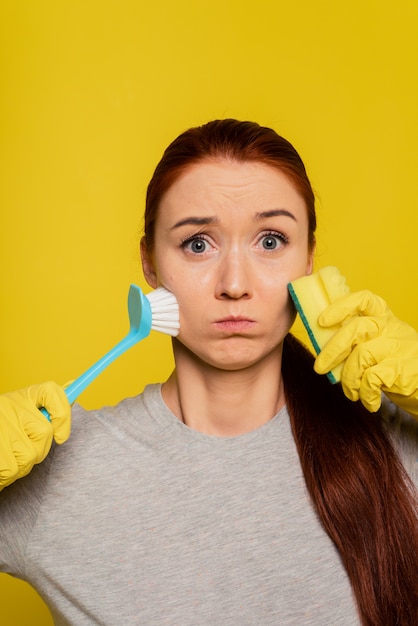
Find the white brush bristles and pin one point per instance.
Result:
(165, 311)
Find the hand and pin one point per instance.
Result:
(380, 351)
(25, 433)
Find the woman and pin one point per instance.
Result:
(246, 489)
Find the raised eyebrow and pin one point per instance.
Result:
(195, 221)
(275, 213)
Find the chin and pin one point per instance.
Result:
(238, 362)
(233, 354)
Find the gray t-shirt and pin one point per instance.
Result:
(139, 520)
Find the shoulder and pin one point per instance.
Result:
(125, 411)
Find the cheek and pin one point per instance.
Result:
(286, 309)
(193, 303)
(285, 317)
(188, 286)
(273, 292)
(301, 266)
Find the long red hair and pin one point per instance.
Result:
(362, 494)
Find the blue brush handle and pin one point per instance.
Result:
(133, 337)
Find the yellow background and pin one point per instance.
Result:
(91, 93)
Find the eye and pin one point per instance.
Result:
(270, 243)
(196, 244)
(273, 240)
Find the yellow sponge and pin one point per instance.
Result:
(311, 295)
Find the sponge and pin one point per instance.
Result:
(311, 295)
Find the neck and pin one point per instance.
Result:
(222, 402)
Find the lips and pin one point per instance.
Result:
(235, 324)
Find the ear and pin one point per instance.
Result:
(148, 265)
(310, 264)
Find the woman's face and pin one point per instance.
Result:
(229, 237)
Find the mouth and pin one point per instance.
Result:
(235, 324)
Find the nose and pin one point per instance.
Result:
(234, 277)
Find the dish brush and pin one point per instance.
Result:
(157, 310)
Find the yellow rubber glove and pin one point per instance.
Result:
(380, 351)
(25, 433)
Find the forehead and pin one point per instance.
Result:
(223, 183)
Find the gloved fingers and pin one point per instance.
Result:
(9, 469)
(18, 455)
(353, 333)
(377, 366)
(398, 379)
(357, 303)
(38, 440)
(361, 371)
(386, 376)
(362, 382)
(357, 363)
(22, 422)
(399, 375)
(370, 392)
(25, 433)
(53, 398)
(27, 454)
(394, 361)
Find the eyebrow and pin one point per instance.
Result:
(203, 221)
(195, 221)
(275, 213)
